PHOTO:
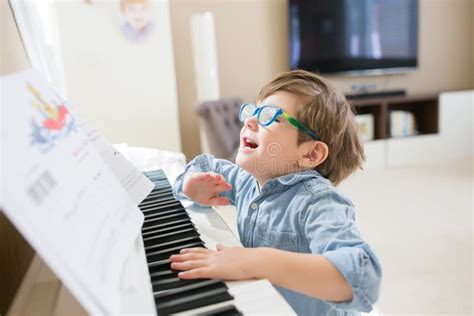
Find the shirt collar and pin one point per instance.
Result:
(291, 179)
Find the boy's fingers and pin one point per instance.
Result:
(188, 257)
(202, 177)
(222, 188)
(216, 176)
(218, 200)
(199, 273)
(188, 265)
(223, 183)
(196, 249)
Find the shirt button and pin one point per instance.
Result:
(254, 206)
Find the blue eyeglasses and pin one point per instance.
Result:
(267, 114)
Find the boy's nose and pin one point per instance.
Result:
(251, 123)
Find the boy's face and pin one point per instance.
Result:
(267, 152)
(137, 13)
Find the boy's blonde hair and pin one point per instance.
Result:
(326, 111)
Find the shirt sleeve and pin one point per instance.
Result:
(208, 163)
(331, 231)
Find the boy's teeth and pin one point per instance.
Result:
(249, 144)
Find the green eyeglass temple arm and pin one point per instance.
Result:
(297, 124)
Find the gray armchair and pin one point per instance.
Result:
(220, 120)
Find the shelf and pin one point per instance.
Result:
(423, 108)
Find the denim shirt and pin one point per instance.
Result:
(300, 212)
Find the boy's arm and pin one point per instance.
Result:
(310, 274)
(208, 164)
(331, 232)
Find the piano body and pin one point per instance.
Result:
(148, 286)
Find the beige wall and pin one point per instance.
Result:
(252, 48)
(471, 28)
(126, 90)
(13, 56)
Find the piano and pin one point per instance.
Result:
(149, 286)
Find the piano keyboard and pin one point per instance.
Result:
(168, 229)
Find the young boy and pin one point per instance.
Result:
(297, 229)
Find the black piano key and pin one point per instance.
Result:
(171, 243)
(155, 172)
(154, 197)
(158, 178)
(170, 237)
(166, 253)
(159, 212)
(162, 264)
(159, 190)
(164, 225)
(171, 283)
(159, 267)
(157, 193)
(165, 221)
(229, 310)
(178, 243)
(159, 274)
(193, 301)
(159, 200)
(161, 205)
(163, 209)
(155, 221)
(152, 220)
(197, 243)
(162, 186)
(162, 230)
(174, 235)
(184, 290)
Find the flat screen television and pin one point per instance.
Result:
(354, 36)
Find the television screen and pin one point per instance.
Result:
(353, 35)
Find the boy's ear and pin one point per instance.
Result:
(312, 154)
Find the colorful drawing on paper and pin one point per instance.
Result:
(51, 122)
(135, 19)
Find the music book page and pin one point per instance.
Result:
(62, 195)
(132, 179)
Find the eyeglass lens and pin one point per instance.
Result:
(266, 115)
(247, 111)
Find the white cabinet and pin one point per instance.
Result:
(454, 138)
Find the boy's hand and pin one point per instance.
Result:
(226, 263)
(204, 188)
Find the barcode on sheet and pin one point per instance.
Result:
(41, 188)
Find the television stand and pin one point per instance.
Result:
(423, 107)
(376, 94)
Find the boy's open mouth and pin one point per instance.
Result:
(248, 143)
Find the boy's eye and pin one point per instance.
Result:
(277, 120)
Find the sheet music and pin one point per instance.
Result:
(62, 195)
(133, 180)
